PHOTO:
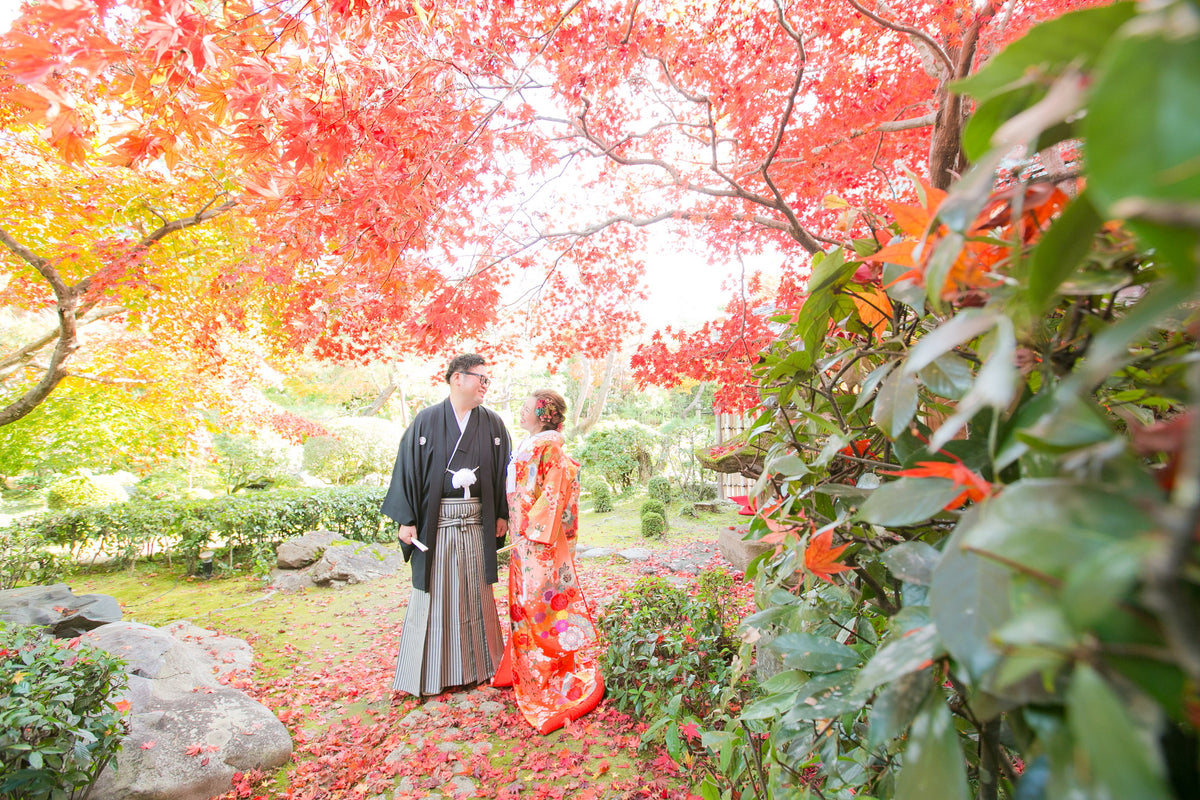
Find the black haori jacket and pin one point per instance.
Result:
(415, 494)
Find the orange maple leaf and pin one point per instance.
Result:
(975, 488)
(820, 558)
(122, 705)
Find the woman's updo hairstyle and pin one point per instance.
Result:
(550, 408)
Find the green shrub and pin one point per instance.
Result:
(245, 523)
(25, 559)
(653, 526)
(84, 490)
(659, 489)
(59, 724)
(602, 501)
(356, 448)
(654, 507)
(257, 462)
(699, 491)
(622, 451)
(669, 656)
(689, 511)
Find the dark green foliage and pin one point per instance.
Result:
(59, 724)
(602, 501)
(247, 522)
(670, 655)
(622, 451)
(699, 491)
(659, 489)
(654, 507)
(653, 526)
(25, 559)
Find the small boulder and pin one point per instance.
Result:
(56, 607)
(355, 563)
(304, 550)
(738, 551)
(635, 554)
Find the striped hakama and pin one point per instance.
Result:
(451, 633)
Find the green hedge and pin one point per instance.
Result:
(238, 521)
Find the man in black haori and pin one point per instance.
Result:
(447, 494)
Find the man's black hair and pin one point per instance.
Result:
(464, 363)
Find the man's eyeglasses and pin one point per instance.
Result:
(483, 379)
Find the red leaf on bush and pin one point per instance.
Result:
(820, 558)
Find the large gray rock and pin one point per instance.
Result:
(339, 565)
(303, 550)
(355, 563)
(738, 551)
(188, 732)
(56, 607)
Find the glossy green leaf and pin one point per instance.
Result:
(769, 707)
(934, 765)
(1048, 526)
(825, 696)
(812, 653)
(1119, 760)
(1069, 424)
(969, 599)
(894, 707)
(1095, 585)
(866, 392)
(908, 653)
(993, 112)
(948, 376)
(1142, 138)
(907, 501)
(895, 403)
(1060, 252)
(1076, 38)
(995, 386)
(913, 562)
(958, 330)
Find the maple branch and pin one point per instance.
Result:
(798, 232)
(937, 49)
(22, 355)
(66, 299)
(689, 216)
(632, 17)
(206, 212)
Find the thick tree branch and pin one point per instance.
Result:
(66, 299)
(22, 355)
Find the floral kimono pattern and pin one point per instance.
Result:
(551, 624)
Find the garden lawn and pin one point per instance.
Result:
(324, 661)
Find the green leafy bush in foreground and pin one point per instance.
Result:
(983, 488)
(671, 658)
(59, 723)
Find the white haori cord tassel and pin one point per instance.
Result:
(463, 479)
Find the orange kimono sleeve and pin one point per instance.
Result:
(544, 522)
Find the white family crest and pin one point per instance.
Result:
(497, 441)
(421, 440)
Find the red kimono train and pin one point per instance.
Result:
(551, 625)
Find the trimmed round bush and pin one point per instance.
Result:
(653, 526)
(659, 489)
(654, 507)
(83, 491)
(602, 502)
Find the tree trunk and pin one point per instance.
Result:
(596, 407)
(581, 396)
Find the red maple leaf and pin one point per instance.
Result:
(691, 730)
(820, 558)
(975, 488)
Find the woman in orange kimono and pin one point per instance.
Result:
(553, 680)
